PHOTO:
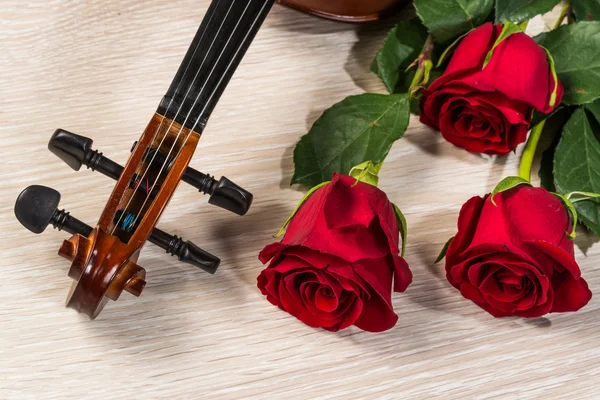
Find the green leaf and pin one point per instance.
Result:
(572, 211)
(359, 128)
(575, 49)
(302, 200)
(577, 165)
(444, 251)
(506, 184)
(366, 172)
(546, 172)
(586, 10)
(402, 226)
(594, 109)
(522, 10)
(447, 19)
(508, 29)
(400, 48)
(549, 141)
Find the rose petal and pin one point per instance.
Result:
(560, 256)
(538, 310)
(389, 225)
(519, 69)
(402, 274)
(309, 216)
(571, 294)
(471, 293)
(467, 225)
(350, 316)
(270, 251)
(314, 258)
(472, 50)
(325, 302)
(378, 274)
(376, 316)
(352, 204)
(268, 282)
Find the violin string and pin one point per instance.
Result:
(171, 101)
(201, 92)
(149, 164)
(207, 103)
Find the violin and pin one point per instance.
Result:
(104, 258)
(346, 10)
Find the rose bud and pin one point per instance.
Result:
(515, 257)
(335, 265)
(488, 109)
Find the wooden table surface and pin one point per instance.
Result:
(99, 68)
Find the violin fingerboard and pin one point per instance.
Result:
(225, 34)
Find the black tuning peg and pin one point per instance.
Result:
(37, 207)
(76, 150)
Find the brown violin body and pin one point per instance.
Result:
(346, 10)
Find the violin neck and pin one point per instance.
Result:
(225, 34)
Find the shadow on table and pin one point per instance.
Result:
(287, 159)
(370, 39)
(155, 316)
(232, 235)
(431, 142)
(585, 239)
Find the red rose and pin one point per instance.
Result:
(335, 264)
(515, 258)
(488, 110)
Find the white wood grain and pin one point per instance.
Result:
(99, 68)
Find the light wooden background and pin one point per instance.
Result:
(99, 68)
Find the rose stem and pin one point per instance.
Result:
(566, 9)
(529, 152)
(534, 137)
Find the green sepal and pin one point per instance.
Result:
(508, 28)
(450, 48)
(554, 93)
(506, 184)
(304, 198)
(444, 251)
(580, 196)
(572, 211)
(421, 79)
(403, 227)
(366, 172)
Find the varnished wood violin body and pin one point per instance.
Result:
(346, 10)
(104, 257)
